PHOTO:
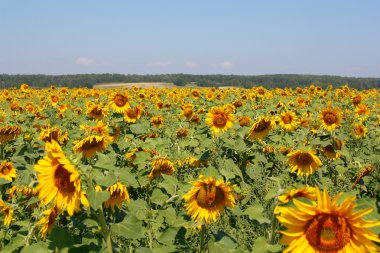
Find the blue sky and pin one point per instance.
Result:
(340, 37)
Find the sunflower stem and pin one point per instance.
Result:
(2, 151)
(202, 238)
(105, 230)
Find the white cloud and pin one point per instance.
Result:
(191, 65)
(160, 64)
(226, 64)
(85, 61)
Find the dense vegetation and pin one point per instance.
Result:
(269, 81)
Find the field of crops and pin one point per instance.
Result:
(189, 170)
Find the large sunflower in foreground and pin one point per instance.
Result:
(304, 163)
(92, 144)
(207, 199)
(261, 128)
(330, 118)
(58, 180)
(219, 119)
(326, 227)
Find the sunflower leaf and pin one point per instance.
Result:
(96, 199)
(256, 213)
(131, 228)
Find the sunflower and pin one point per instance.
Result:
(96, 111)
(362, 111)
(56, 134)
(261, 128)
(133, 114)
(303, 162)
(59, 180)
(54, 99)
(7, 212)
(330, 150)
(92, 144)
(359, 131)
(305, 192)
(207, 199)
(100, 128)
(119, 103)
(47, 222)
(118, 195)
(24, 88)
(244, 120)
(326, 227)
(288, 121)
(219, 119)
(161, 165)
(9, 133)
(330, 118)
(7, 171)
(157, 121)
(182, 132)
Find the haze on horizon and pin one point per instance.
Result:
(195, 37)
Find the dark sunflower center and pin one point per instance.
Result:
(54, 99)
(329, 148)
(188, 112)
(330, 118)
(62, 180)
(359, 130)
(132, 113)
(93, 143)
(5, 170)
(96, 111)
(287, 119)
(120, 100)
(328, 233)
(219, 121)
(305, 159)
(261, 126)
(209, 196)
(195, 94)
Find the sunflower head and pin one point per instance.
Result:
(359, 131)
(118, 195)
(330, 118)
(7, 212)
(48, 220)
(157, 121)
(261, 128)
(119, 102)
(92, 144)
(96, 111)
(182, 133)
(9, 133)
(58, 179)
(304, 163)
(219, 119)
(7, 171)
(305, 192)
(161, 165)
(131, 115)
(288, 121)
(207, 199)
(325, 226)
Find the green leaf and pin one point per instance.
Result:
(256, 213)
(3, 181)
(131, 228)
(169, 183)
(60, 238)
(261, 246)
(14, 244)
(158, 197)
(271, 194)
(96, 199)
(168, 236)
(39, 247)
(223, 246)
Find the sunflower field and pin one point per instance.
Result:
(190, 170)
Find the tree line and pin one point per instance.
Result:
(244, 81)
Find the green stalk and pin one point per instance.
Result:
(202, 239)
(2, 146)
(105, 230)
